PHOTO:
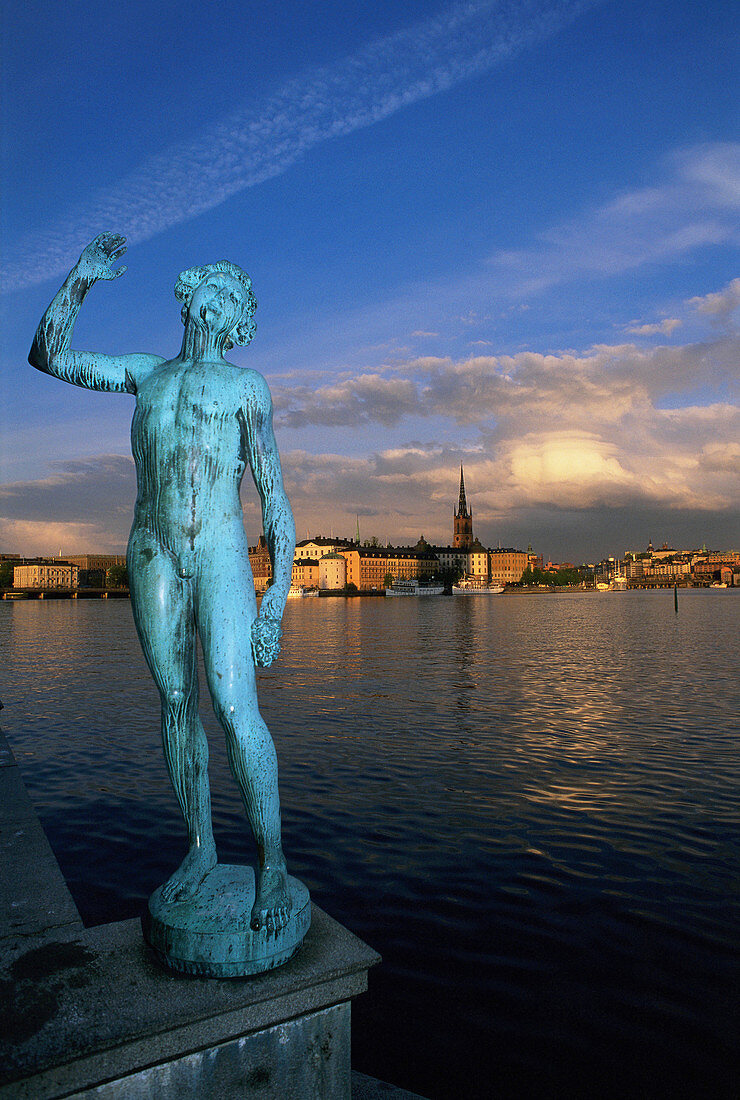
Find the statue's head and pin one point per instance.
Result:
(222, 294)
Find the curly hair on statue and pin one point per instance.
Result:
(188, 281)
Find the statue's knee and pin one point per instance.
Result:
(226, 711)
(175, 699)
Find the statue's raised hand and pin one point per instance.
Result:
(95, 261)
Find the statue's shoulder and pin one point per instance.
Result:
(252, 386)
(140, 367)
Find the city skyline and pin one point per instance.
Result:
(502, 234)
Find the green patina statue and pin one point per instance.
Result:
(199, 422)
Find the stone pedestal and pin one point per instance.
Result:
(90, 1013)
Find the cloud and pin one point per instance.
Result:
(694, 207)
(721, 305)
(604, 384)
(665, 327)
(720, 457)
(577, 432)
(262, 141)
(82, 492)
(80, 507)
(45, 539)
(368, 398)
(567, 438)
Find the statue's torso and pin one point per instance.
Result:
(187, 438)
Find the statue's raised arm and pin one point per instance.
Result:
(50, 351)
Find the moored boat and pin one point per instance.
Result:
(476, 586)
(414, 588)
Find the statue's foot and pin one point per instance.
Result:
(189, 875)
(271, 908)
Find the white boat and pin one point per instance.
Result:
(414, 588)
(476, 586)
(300, 592)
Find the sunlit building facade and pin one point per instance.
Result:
(332, 572)
(368, 567)
(305, 573)
(508, 566)
(46, 575)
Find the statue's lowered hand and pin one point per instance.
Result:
(266, 634)
(96, 259)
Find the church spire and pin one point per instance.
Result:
(462, 506)
(462, 528)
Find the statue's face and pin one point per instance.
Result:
(218, 302)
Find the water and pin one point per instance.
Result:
(527, 804)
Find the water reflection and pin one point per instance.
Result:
(526, 804)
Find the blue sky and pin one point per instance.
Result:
(504, 234)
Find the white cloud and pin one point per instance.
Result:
(262, 141)
(665, 327)
(721, 305)
(694, 207)
(604, 384)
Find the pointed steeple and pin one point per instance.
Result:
(463, 519)
(462, 506)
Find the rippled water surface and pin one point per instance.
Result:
(526, 804)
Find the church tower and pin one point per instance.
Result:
(463, 520)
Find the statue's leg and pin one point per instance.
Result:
(225, 609)
(162, 604)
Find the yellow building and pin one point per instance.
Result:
(305, 573)
(368, 567)
(319, 545)
(477, 560)
(507, 566)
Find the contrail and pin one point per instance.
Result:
(263, 139)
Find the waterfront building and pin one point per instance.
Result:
(477, 560)
(96, 561)
(468, 555)
(320, 545)
(46, 575)
(712, 564)
(368, 566)
(305, 573)
(332, 572)
(452, 558)
(462, 522)
(507, 566)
